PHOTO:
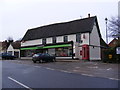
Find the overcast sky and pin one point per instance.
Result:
(17, 16)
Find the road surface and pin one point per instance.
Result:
(31, 76)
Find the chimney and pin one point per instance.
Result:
(89, 15)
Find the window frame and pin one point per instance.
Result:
(44, 41)
(78, 37)
(53, 39)
(65, 38)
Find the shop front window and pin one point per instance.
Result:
(51, 51)
(10, 52)
(27, 53)
(64, 52)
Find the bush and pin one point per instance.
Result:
(110, 56)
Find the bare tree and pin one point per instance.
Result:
(10, 39)
(19, 40)
(114, 27)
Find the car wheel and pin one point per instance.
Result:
(34, 61)
(41, 61)
(54, 60)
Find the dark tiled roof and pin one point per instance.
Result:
(16, 45)
(76, 26)
(0, 44)
(115, 42)
(103, 44)
(4, 45)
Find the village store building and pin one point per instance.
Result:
(78, 39)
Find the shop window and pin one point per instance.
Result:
(65, 39)
(63, 52)
(22, 53)
(27, 53)
(44, 41)
(78, 37)
(51, 51)
(16, 54)
(10, 52)
(54, 39)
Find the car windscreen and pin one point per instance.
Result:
(45, 54)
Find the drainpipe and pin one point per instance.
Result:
(72, 50)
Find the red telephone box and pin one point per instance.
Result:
(85, 52)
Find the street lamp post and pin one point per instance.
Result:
(106, 30)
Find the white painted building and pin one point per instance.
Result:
(14, 49)
(78, 39)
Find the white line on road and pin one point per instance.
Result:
(50, 68)
(38, 66)
(19, 83)
(65, 71)
(93, 67)
(109, 69)
(87, 75)
(114, 79)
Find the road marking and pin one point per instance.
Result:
(95, 64)
(93, 67)
(38, 66)
(19, 83)
(109, 69)
(65, 71)
(87, 75)
(77, 67)
(114, 79)
(50, 68)
(75, 70)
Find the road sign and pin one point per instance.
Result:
(118, 50)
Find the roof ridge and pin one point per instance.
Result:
(61, 23)
(64, 28)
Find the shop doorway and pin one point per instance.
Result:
(85, 52)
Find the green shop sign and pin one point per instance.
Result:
(45, 47)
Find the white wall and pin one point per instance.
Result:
(95, 52)
(31, 42)
(10, 48)
(77, 45)
(77, 50)
(48, 40)
(72, 37)
(59, 39)
(86, 39)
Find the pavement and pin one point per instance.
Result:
(87, 68)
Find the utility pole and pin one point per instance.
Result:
(106, 30)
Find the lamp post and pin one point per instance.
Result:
(106, 30)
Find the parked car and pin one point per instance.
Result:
(7, 56)
(43, 57)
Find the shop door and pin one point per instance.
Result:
(16, 54)
(85, 52)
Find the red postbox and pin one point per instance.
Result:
(85, 52)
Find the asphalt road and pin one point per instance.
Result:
(30, 76)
